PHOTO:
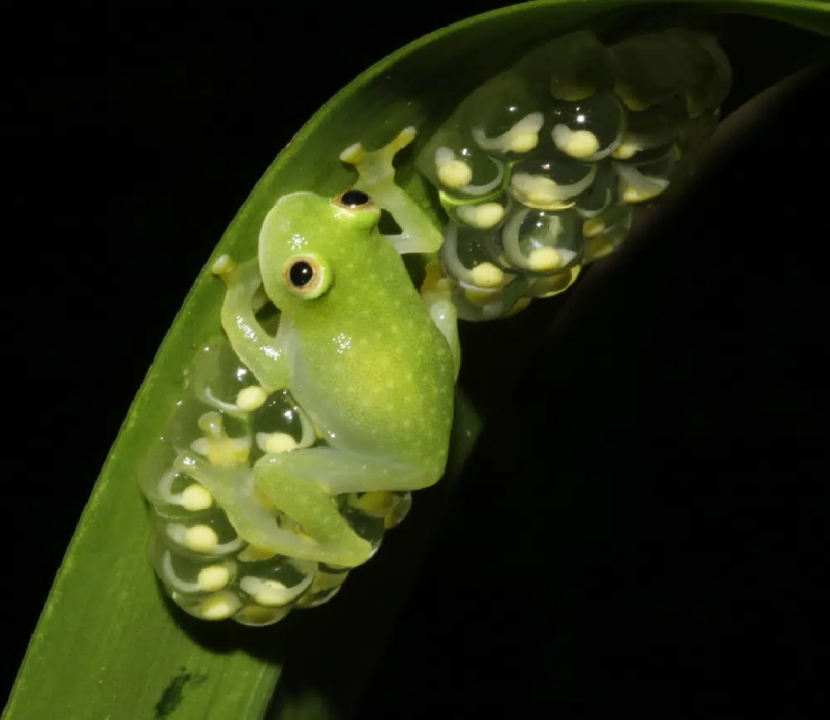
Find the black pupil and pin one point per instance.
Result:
(300, 274)
(353, 198)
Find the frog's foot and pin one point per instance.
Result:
(226, 269)
(255, 520)
(241, 278)
(376, 177)
(303, 485)
(376, 167)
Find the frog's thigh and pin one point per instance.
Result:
(303, 483)
(289, 485)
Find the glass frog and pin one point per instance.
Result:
(369, 359)
(297, 445)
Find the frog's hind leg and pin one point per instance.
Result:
(234, 490)
(436, 292)
(303, 485)
(376, 177)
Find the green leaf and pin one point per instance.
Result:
(107, 642)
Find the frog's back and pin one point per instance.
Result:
(372, 367)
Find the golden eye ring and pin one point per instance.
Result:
(306, 276)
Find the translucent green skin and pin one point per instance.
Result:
(363, 357)
(366, 361)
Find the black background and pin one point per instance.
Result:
(643, 525)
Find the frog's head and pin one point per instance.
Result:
(305, 238)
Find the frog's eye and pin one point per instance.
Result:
(354, 200)
(306, 276)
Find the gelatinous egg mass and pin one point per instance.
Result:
(198, 478)
(543, 168)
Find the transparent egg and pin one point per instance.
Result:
(192, 577)
(226, 436)
(553, 184)
(654, 128)
(207, 537)
(368, 526)
(504, 116)
(467, 256)
(391, 507)
(613, 216)
(459, 168)
(179, 497)
(572, 67)
(652, 68)
(327, 583)
(225, 442)
(281, 426)
(647, 70)
(542, 241)
(399, 510)
(601, 195)
(642, 180)
(216, 376)
(157, 477)
(543, 287)
(481, 215)
(711, 76)
(258, 616)
(222, 605)
(588, 129)
(479, 305)
(276, 582)
(604, 233)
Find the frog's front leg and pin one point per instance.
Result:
(262, 354)
(376, 177)
(303, 484)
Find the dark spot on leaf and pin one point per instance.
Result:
(173, 694)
